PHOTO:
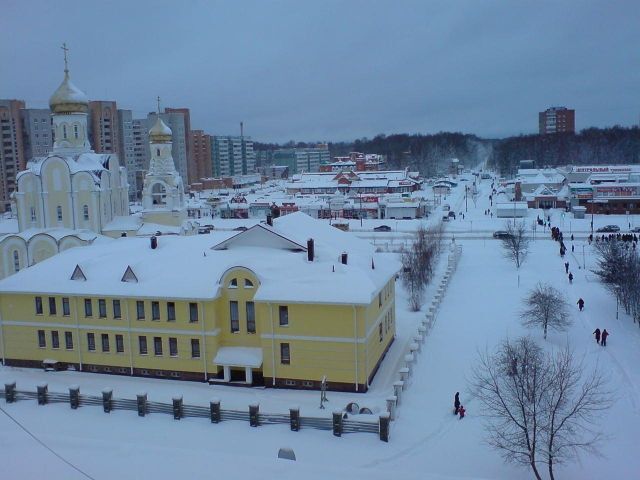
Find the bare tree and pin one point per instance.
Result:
(540, 409)
(516, 242)
(545, 306)
(412, 279)
(573, 399)
(509, 384)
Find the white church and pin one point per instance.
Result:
(74, 196)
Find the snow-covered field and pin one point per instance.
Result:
(427, 442)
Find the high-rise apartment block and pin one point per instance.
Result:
(557, 120)
(141, 156)
(186, 116)
(232, 155)
(37, 133)
(302, 159)
(104, 130)
(126, 149)
(12, 158)
(202, 165)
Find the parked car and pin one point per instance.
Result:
(501, 234)
(452, 214)
(240, 229)
(382, 228)
(608, 229)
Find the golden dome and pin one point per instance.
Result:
(160, 133)
(68, 98)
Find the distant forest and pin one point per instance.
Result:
(429, 154)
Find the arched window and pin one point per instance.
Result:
(248, 283)
(16, 261)
(85, 212)
(158, 194)
(64, 132)
(33, 214)
(158, 152)
(75, 130)
(59, 212)
(233, 283)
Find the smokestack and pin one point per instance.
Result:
(242, 129)
(270, 220)
(343, 258)
(310, 250)
(154, 243)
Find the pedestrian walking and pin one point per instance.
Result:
(573, 248)
(456, 403)
(597, 334)
(570, 277)
(603, 342)
(580, 303)
(461, 411)
(566, 267)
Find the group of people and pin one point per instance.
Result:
(601, 338)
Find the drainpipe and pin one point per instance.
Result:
(75, 314)
(273, 347)
(2, 337)
(355, 341)
(204, 344)
(130, 341)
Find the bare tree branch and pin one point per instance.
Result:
(545, 306)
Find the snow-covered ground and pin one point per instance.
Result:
(427, 442)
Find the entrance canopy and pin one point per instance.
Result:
(239, 357)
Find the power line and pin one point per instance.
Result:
(86, 475)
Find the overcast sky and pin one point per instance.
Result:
(328, 70)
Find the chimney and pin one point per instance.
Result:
(310, 250)
(270, 220)
(343, 258)
(154, 243)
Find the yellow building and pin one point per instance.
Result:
(281, 305)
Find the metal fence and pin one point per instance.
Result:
(340, 422)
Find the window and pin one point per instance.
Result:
(380, 299)
(173, 346)
(380, 331)
(75, 130)
(155, 310)
(88, 308)
(285, 354)
(38, 305)
(68, 340)
(105, 342)
(195, 348)
(102, 308)
(142, 345)
(158, 152)
(248, 283)
(284, 315)
(140, 309)
(16, 261)
(55, 339)
(117, 313)
(171, 311)
(33, 214)
(66, 311)
(119, 344)
(91, 342)
(193, 312)
(64, 132)
(85, 212)
(251, 317)
(157, 345)
(235, 318)
(233, 283)
(42, 341)
(59, 212)
(52, 306)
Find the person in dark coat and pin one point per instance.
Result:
(570, 277)
(580, 303)
(603, 342)
(456, 403)
(461, 411)
(597, 334)
(566, 267)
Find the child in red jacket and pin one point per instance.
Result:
(461, 411)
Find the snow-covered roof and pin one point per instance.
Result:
(93, 163)
(187, 268)
(239, 357)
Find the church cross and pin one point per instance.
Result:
(66, 60)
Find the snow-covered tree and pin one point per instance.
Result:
(516, 243)
(546, 307)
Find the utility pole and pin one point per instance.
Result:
(466, 189)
